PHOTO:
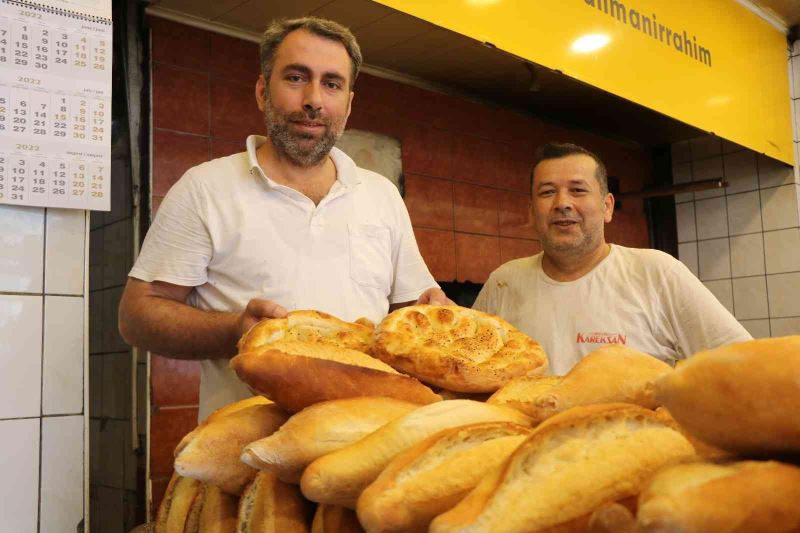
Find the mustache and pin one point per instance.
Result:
(306, 115)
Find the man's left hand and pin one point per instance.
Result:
(434, 296)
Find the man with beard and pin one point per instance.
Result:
(291, 223)
(581, 292)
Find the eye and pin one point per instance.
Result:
(546, 192)
(333, 85)
(294, 78)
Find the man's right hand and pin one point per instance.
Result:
(257, 309)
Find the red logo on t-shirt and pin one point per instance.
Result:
(601, 338)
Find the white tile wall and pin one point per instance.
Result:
(772, 173)
(714, 259)
(723, 291)
(686, 223)
(706, 169)
(62, 386)
(62, 474)
(706, 146)
(744, 213)
(779, 208)
(782, 327)
(682, 173)
(21, 242)
(64, 257)
(20, 356)
(782, 250)
(747, 255)
(740, 171)
(759, 329)
(687, 253)
(19, 487)
(750, 298)
(784, 295)
(712, 220)
(681, 152)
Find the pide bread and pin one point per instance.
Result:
(211, 452)
(613, 373)
(334, 519)
(176, 504)
(741, 497)
(457, 348)
(298, 374)
(320, 429)
(339, 477)
(743, 397)
(434, 475)
(212, 511)
(573, 463)
(309, 326)
(270, 506)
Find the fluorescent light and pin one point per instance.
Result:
(590, 43)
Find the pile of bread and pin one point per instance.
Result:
(347, 435)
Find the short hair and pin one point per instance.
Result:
(277, 31)
(559, 150)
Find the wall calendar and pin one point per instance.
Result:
(55, 103)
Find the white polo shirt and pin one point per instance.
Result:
(234, 234)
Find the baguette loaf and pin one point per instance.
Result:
(309, 326)
(743, 397)
(211, 452)
(271, 506)
(743, 497)
(176, 505)
(434, 475)
(572, 464)
(339, 477)
(297, 374)
(614, 373)
(318, 430)
(333, 519)
(212, 511)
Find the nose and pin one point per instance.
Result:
(312, 99)
(562, 201)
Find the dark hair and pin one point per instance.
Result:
(277, 31)
(559, 150)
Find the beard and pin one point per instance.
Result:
(587, 241)
(302, 149)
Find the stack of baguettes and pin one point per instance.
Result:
(378, 450)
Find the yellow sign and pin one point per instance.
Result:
(712, 63)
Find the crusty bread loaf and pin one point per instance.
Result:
(613, 373)
(611, 517)
(212, 511)
(268, 505)
(176, 504)
(434, 475)
(309, 326)
(296, 374)
(573, 463)
(702, 449)
(743, 397)
(320, 429)
(457, 348)
(742, 497)
(339, 477)
(211, 452)
(334, 519)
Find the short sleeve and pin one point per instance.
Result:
(486, 298)
(177, 247)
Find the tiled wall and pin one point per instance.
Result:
(42, 357)
(466, 168)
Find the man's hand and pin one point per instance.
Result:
(434, 296)
(257, 310)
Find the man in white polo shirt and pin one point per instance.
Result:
(581, 292)
(292, 223)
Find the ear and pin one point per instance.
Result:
(261, 92)
(608, 203)
(349, 105)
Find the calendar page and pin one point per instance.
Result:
(55, 103)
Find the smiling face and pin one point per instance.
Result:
(569, 207)
(307, 99)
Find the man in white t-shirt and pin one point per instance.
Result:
(292, 223)
(581, 292)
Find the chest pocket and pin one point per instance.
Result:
(370, 256)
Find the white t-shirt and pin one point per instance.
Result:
(234, 234)
(642, 298)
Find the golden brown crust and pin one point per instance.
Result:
(613, 373)
(574, 462)
(309, 326)
(296, 381)
(176, 504)
(742, 397)
(212, 452)
(457, 348)
(335, 519)
(268, 505)
(741, 497)
(219, 512)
